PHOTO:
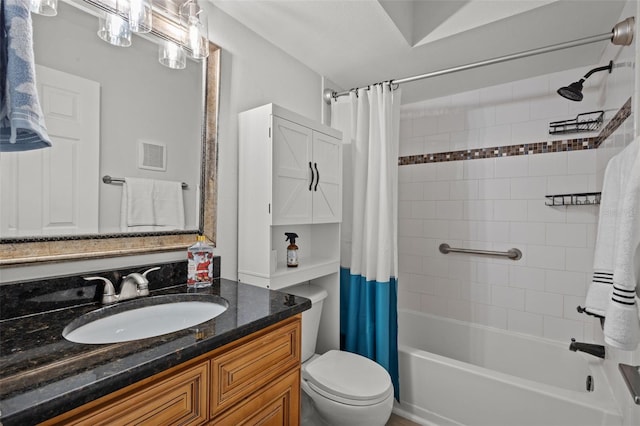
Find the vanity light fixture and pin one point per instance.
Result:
(113, 26)
(140, 16)
(114, 30)
(172, 56)
(122, 17)
(196, 37)
(44, 7)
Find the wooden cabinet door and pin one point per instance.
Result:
(239, 372)
(252, 381)
(292, 144)
(180, 399)
(327, 188)
(277, 405)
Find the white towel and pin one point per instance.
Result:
(168, 205)
(22, 125)
(622, 326)
(151, 205)
(599, 292)
(615, 179)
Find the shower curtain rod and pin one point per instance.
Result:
(621, 34)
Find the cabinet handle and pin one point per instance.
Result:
(312, 176)
(317, 176)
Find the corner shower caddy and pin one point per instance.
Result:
(585, 122)
(575, 199)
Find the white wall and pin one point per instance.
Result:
(499, 203)
(254, 72)
(630, 410)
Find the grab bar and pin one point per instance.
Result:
(513, 254)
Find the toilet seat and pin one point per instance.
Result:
(347, 378)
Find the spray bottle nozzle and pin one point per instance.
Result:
(291, 237)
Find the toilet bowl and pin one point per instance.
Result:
(346, 389)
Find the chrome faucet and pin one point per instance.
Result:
(595, 350)
(132, 286)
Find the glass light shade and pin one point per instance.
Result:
(114, 30)
(196, 37)
(44, 7)
(171, 55)
(140, 16)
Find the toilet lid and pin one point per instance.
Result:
(348, 376)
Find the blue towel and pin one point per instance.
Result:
(22, 124)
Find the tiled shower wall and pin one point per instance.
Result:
(499, 203)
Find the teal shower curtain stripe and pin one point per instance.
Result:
(369, 321)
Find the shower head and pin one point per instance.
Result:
(573, 92)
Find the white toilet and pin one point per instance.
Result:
(346, 389)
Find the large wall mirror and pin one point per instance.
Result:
(141, 119)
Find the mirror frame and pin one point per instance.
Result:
(25, 251)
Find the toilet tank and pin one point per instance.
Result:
(310, 317)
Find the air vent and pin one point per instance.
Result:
(152, 155)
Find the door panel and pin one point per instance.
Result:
(291, 157)
(55, 190)
(327, 195)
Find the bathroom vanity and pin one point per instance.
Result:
(243, 365)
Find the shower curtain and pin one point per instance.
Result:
(369, 264)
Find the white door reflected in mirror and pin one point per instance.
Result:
(55, 191)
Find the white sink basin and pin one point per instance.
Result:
(143, 318)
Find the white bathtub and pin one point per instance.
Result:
(457, 373)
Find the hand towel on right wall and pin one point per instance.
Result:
(622, 325)
(615, 180)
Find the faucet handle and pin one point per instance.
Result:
(144, 274)
(109, 292)
(133, 285)
(143, 287)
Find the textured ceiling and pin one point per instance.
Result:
(357, 42)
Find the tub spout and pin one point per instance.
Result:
(595, 350)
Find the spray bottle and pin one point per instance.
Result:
(292, 249)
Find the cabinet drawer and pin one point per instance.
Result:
(178, 400)
(277, 405)
(244, 369)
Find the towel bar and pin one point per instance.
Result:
(109, 179)
(513, 254)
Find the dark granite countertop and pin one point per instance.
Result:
(43, 375)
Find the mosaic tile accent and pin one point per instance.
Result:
(613, 124)
(543, 147)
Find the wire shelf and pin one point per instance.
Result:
(585, 122)
(575, 199)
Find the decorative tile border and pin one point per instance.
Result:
(613, 124)
(526, 148)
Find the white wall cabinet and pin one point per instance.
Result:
(306, 180)
(290, 180)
